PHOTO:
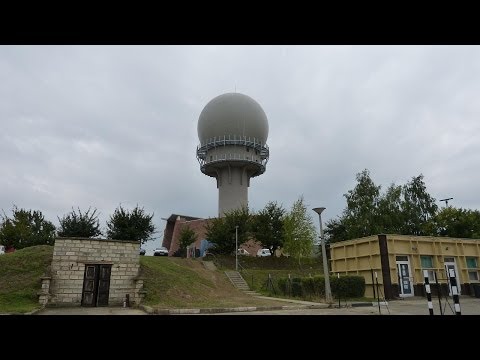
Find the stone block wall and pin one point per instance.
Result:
(68, 266)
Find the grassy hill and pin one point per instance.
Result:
(169, 282)
(185, 283)
(20, 274)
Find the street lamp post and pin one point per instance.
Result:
(328, 292)
(236, 248)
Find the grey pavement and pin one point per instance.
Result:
(409, 306)
(90, 311)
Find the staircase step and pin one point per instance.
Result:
(237, 280)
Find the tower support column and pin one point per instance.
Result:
(232, 189)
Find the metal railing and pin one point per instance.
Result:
(215, 142)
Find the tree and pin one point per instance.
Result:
(299, 231)
(133, 225)
(267, 226)
(390, 215)
(360, 217)
(456, 222)
(418, 207)
(26, 228)
(406, 210)
(80, 225)
(221, 231)
(362, 203)
(187, 237)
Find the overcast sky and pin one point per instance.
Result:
(103, 125)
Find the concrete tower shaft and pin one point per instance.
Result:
(232, 130)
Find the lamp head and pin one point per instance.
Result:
(319, 210)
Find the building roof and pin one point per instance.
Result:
(174, 217)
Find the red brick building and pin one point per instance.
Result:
(175, 224)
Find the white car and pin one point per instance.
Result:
(161, 251)
(264, 252)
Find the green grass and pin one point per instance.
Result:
(169, 282)
(184, 283)
(20, 274)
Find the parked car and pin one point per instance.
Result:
(161, 251)
(264, 252)
(142, 251)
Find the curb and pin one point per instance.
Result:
(373, 303)
(36, 311)
(150, 310)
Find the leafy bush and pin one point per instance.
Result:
(308, 286)
(344, 287)
(297, 287)
(319, 285)
(348, 286)
(283, 286)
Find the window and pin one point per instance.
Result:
(402, 258)
(472, 265)
(427, 264)
(472, 262)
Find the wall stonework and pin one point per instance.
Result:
(68, 266)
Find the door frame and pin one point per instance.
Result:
(96, 283)
(457, 274)
(410, 277)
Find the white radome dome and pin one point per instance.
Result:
(233, 114)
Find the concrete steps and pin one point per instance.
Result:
(237, 280)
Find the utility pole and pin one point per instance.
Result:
(236, 248)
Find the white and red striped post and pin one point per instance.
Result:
(453, 284)
(428, 291)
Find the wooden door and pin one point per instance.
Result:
(96, 285)
(103, 285)
(89, 293)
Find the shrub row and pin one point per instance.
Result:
(343, 287)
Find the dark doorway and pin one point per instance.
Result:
(96, 285)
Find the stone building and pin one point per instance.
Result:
(93, 272)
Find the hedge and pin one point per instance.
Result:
(344, 287)
(348, 286)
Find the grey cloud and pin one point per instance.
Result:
(103, 125)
